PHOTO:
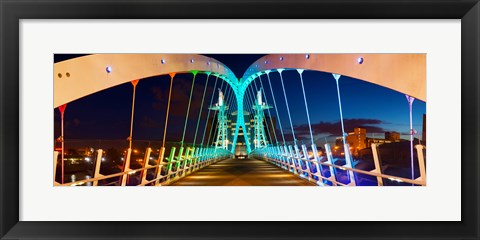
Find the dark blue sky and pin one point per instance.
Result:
(106, 114)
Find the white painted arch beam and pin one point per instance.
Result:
(82, 76)
(405, 73)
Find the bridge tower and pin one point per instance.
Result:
(222, 120)
(260, 139)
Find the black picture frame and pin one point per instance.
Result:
(13, 11)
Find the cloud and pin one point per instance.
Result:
(180, 98)
(335, 128)
(149, 122)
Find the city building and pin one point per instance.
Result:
(392, 136)
(357, 140)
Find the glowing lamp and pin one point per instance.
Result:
(109, 69)
(281, 58)
(307, 56)
(163, 61)
(360, 60)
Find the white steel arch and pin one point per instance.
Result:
(405, 73)
(82, 76)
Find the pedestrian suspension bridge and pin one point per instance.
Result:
(242, 141)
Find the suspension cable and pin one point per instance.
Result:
(268, 110)
(134, 83)
(201, 108)
(188, 108)
(276, 109)
(288, 109)
(208, 115)
(172, 75)
(300, 71)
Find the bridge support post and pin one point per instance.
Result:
(376, 161)
(186, 159)
(126, 167)
(318, 166)
(179, 162)
(349, 163)
(421, 163)
(307, 161)
(170, 161)
(158, 170)
(333, 171)
(279, 155)
(146, 164)
(98, 162)
(289, 151)
(55, 162)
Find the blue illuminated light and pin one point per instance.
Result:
(163, 61)
(109, 69)
(360, 60)
(266, 61)
(307, 56)
(281, 58)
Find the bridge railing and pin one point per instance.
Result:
(326, 170)
(152, 167)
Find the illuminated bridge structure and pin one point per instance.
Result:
(170, 164)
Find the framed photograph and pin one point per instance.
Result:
(239, 120)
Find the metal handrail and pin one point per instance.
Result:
(292, 161)
(181, 169)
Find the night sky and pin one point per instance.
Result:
(106, 114)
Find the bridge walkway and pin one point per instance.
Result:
(242, 172)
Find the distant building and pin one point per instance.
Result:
(377, 141)
(392, 136)
(357, 140)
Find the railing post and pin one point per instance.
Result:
(158, 171)
(291, 156)
(328, 152)
(349, 163)
(283, 151)
(170, 164)
(126, 167)
(196, 158)
(204, 156)
(376, 161)
(146, 164)
(189, 160)
(98, 162)
(199, 158)
(283, 155)
(307, 161)
(296, 155)
(55, 162)
(318, 166)
(179, 162)
(421, 163)
(185, 161)
(280, 157)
